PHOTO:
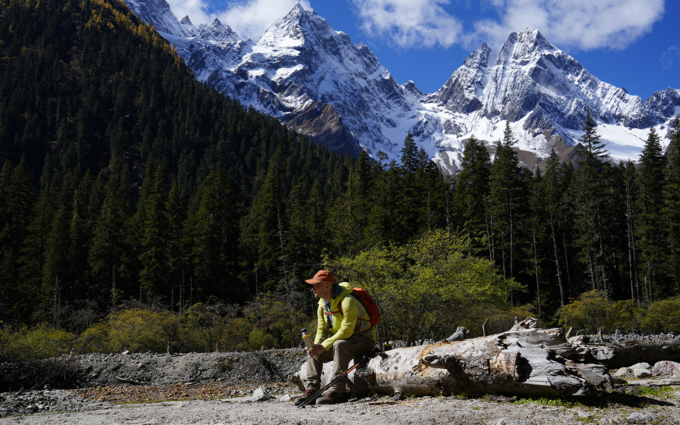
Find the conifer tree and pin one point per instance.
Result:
(155, 256)
(176, 219)
(506, 191)
(650, 202)
(588, 196)
(265, 236)
(631, 192)
(213, 232)
(553, 190)
(16, 190)
(672, 203)
(106, 254)
(33, 253)
(472, 190)
(536, 217)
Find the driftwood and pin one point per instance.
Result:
(523, 361)
(614, 356)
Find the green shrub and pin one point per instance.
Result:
(592, 310)
(426, 288)
(40, 342)
(662, 316)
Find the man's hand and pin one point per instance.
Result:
(316, 351)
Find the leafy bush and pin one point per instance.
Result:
(426, 287)
(40, 342)
(592, 310)
(662, 316)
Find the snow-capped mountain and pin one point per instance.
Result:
(317, 81)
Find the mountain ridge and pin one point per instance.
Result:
(302, 69)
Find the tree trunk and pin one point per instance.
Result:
(557, 257)
(534, 362)
(614, 356)
(538, 287)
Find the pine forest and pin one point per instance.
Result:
(142, 210)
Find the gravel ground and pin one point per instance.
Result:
(101, 370)
(422, 410)
(217, 388)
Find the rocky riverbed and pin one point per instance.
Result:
(254, 387)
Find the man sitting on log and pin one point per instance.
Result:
(343, 332)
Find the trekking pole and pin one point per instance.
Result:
(316, 395)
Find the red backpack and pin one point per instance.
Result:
(369, 305)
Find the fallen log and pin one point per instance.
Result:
(615, 355)
(522, 361)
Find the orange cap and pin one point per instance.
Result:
(322, 276)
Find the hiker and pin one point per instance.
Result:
(345, 318)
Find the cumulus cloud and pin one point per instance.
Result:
(669, 57)
(409, 23)
(251, 18)
(584, 24)
(194, 9)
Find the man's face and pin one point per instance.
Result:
(321, 289)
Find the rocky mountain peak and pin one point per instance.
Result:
(159, 14)
(316, 81)
(294, 29)
(186, 21)
(479, 57)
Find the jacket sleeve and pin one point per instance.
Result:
(349, 322)
(321, 326)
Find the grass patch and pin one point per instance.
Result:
(557, 401)
(661, 392)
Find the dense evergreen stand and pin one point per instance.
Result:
(127, 183)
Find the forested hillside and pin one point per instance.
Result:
(127, 186)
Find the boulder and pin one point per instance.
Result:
(624, 372)
(642, 373)
(641, 366)
(666, 368)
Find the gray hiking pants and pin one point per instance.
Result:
(340, 354)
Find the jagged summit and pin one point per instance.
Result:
(186, 21)
(314, 79)
(295, 28)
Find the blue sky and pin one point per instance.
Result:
(628, 43)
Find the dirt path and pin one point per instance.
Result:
(424, 410)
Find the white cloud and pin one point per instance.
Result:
(584, 24)
(194, 9)
(409, 23)
(251, 18)
(669, 57)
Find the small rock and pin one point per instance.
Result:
(640, 417)
(140, 366)
(666, 368)
(642, 373)
(624, 372)
(285, 398)
(260, 395)
(584, 414)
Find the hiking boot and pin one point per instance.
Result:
(307, 394)
(332, 397)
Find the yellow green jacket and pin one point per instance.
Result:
(344, 325)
